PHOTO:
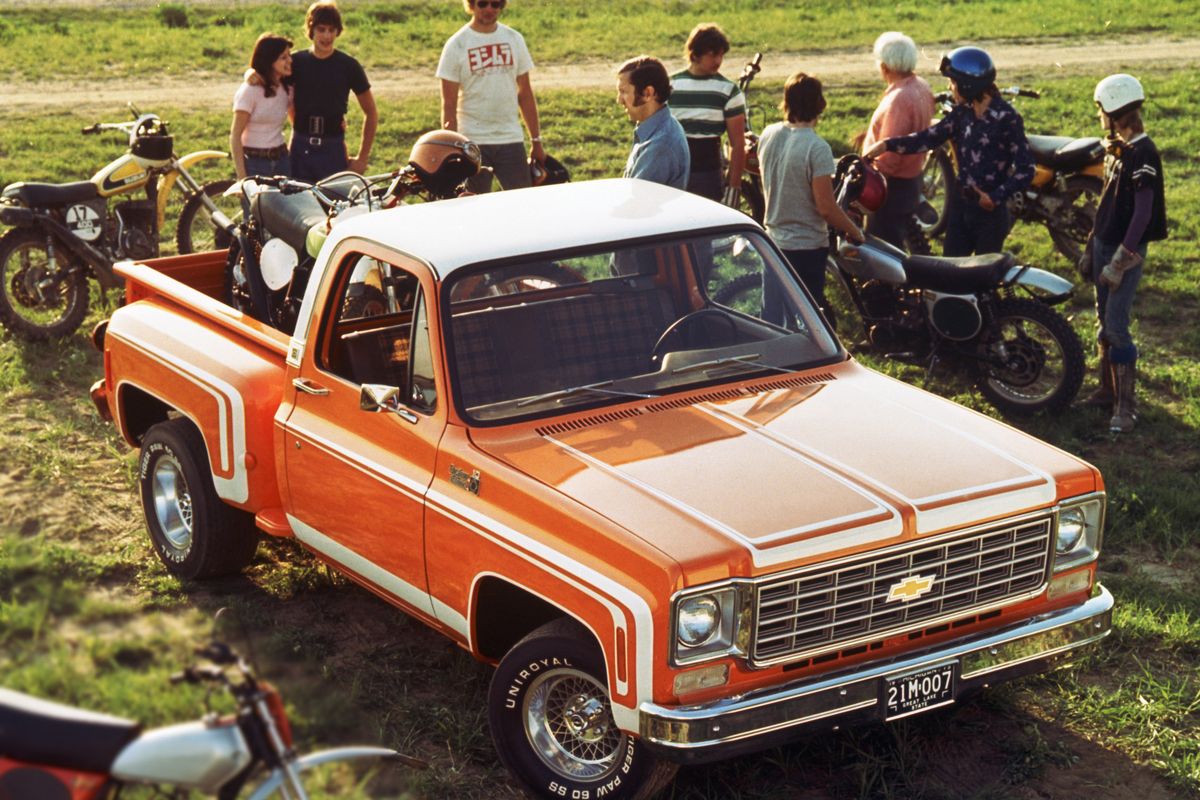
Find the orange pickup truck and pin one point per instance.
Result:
(681, 530)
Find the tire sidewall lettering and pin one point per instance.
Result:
(527, 674)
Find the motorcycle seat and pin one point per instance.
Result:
(1064, 153)
(965, 275)
(51, 734)
(289, 216)
(52, 194)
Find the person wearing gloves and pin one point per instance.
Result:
(994, 160)
(1132, 214)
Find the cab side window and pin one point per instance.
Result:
(380, 332)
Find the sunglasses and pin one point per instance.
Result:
(489, 3)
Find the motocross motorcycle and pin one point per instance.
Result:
(271, 255)
(753, 200)
(56, 752)
(984, 314)
(1063, 196)
(62, 233)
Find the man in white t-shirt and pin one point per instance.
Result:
(484, 70)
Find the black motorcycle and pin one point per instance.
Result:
(984, 314)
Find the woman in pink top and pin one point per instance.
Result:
(906, 107)
(260, 110)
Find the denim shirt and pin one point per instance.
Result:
(660, 151)
(993, 153)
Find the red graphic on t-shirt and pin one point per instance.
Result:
(490, 56)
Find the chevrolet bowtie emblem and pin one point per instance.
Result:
(911, 588)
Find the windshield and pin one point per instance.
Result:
(561, 332)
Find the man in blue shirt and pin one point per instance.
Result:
(660, 150)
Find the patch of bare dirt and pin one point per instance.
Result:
(1016, 60)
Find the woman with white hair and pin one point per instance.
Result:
(906, 107)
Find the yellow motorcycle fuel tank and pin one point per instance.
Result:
(123, 175)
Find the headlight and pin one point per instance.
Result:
(1080, 528)
(710, 623)
(699, 618)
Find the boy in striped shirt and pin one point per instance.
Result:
(707, 105)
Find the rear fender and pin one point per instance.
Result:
(1045, 286)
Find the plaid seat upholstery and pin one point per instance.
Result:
(525, 349)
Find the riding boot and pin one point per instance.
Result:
(1123, 410)
(1103, 397)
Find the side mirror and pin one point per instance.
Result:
(376, 397)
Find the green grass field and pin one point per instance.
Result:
(87, 615)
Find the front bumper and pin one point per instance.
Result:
(767, 717)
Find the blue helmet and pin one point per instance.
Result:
(971, 69)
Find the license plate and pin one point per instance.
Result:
(919, 691)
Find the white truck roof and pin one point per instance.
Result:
(449, 234)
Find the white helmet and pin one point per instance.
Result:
(1119, 93)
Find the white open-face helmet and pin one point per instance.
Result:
(1119, 93)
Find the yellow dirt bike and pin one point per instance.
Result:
(62, 233)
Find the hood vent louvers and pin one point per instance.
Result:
(683, 402)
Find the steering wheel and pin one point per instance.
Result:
(678, 329)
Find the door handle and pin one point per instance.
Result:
(308, 387)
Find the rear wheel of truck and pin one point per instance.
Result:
(552, 724)
(194, 533)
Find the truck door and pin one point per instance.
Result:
(356, 478)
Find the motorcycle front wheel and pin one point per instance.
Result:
(1032, 359)
(1070, 228)
(39, 301)
(196, 232)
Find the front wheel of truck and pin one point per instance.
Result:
(552, 723)
(194, 533)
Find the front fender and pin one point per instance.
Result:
(167, 182)
(275, 780)
(1047, 286)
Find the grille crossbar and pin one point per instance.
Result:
(829, 607)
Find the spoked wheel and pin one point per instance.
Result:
(196, 232)
(743, 294)
(39, 301)
(1070, 227)
(937, 184)
(552, 724)
(840, 310)
(1033, 360)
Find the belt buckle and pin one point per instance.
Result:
(314, 141)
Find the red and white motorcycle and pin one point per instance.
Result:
(50, 751)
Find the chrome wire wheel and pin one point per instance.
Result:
(570, 727)
(173, 506)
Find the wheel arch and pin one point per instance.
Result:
(503, 612)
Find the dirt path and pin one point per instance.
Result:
(1017, 61)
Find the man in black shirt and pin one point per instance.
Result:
(1132, 214)
(322, 79)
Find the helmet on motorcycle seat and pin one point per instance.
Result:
(548, 172)
(1118, 94)
(873, 193)
(443, 159)
(971, 69)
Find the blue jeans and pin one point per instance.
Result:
(317, 157)
(1114, 306)
(971, 230)
(707, 183)
(267, 168)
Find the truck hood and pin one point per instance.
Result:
(789, 471)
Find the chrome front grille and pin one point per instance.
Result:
(856, 601)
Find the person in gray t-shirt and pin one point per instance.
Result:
(797, 171)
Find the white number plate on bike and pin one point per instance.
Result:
(919, 691)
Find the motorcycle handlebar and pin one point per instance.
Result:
(93, 128)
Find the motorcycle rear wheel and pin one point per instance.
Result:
(1032, 359)
(196, 233)
(1081, 199)
(36, 303)
(937, 185)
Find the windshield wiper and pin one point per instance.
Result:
(750, 360)
(594, 388)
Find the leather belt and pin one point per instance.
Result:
(269, 153)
